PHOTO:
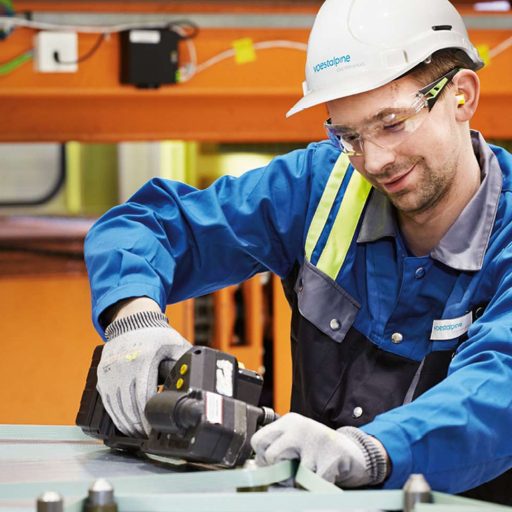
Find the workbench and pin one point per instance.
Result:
(35, 459)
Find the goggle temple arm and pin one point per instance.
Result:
(432, 91)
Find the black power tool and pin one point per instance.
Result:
(206, 412)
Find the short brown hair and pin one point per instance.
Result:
(440, 63)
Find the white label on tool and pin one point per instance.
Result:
(224, 377)
(213, 408)
(451, 328)
(145, 36)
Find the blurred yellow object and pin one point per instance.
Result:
(141, 161)
(244, 50)
(213, 165)
(483, 51)
(91, 178)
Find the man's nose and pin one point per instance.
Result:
(376, 158)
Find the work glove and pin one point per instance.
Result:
(128, 369)
(347, 457)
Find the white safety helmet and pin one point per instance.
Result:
(359, 45)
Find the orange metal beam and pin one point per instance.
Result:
(223, 103)
(227, 102)
(188, 6)
(170, 6)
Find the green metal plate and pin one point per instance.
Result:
(35, 459)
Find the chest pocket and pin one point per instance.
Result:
(324, 303)
(339, 376)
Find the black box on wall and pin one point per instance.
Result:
(149, 57)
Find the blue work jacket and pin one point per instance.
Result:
(367, 340)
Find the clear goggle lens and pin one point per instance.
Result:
(387, 130)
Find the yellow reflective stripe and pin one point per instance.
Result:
(344, 227)
(325, 204)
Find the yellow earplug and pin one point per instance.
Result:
(461, 99)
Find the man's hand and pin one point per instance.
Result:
(128, 370)
(347, 457)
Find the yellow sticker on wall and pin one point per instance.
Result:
(244, 50)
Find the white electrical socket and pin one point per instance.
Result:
(49, 44)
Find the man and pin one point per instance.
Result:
(393, 242)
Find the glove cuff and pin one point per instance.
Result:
(140, 320)
(376, 463)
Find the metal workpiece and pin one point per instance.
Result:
(416, 490)
(35, 459)
(101, 497)
(50, 502)
(250, 465)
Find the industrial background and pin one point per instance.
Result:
(180, 89)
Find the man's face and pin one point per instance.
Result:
(417, 173)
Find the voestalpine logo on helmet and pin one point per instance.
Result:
(330, 63)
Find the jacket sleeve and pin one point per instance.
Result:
(171, 241)
(458, 434)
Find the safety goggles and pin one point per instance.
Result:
(390, 126)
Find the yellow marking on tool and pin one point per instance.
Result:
(179, 383)
(183, 369)
(132, 356)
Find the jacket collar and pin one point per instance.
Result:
(463, 246)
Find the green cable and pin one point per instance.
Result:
(10, 66)
(8, 4)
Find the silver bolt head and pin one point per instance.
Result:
(101, 492)
(50, 501)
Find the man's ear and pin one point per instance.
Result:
(466, 94)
